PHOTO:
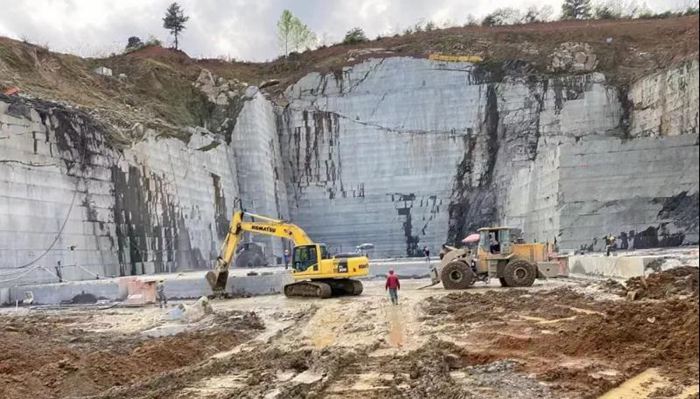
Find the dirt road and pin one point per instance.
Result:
(561, 338)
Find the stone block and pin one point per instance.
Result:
(258, 285)
(65, 292)
(5, 296)
(610, 266)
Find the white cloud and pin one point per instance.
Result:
(244, 29)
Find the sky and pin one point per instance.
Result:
(235, 29)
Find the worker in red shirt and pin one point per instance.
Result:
(393, 286)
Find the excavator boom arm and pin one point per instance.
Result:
(271, 227)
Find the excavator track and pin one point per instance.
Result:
(323, 288)
(356, 287)
(345, 286)
(314, 289)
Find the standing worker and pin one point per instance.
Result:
(393, 286)
(286, 259)
(160, 292)
(609, 244)
(426, 252)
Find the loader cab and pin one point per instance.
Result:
(494, 242)
(307, 257)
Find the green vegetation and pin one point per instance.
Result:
(576, 9)
(354, 36)
(174, 20)
(293, 34)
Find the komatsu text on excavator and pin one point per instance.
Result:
(315, 271)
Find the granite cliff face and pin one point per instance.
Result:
(407, 152)
(401, 152)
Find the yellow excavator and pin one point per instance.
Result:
(316, 273)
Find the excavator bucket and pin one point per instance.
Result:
(217, 281)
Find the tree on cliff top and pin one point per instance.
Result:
(503, 16)
(576, 9)
(355, 35)
(538, 14)
(293, 34)
(174, 20)
(134, 43)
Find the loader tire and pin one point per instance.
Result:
(519, 273)
(503, 282)
(457, 275)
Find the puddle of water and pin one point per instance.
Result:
(285, 375)
(586, 311)
(165, 330)
(540, 320)
(644, 384)
(217, 384)
(307, 377)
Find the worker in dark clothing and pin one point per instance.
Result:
(393, 286)
(286, 259)
(495, 245)
(160, 292)
(426, 253)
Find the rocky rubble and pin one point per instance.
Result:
(573, 57)
(665, 284)
(217, 89)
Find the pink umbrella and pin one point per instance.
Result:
(471, 238)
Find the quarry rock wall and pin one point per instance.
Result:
(73, 207)
(399, 152)
(405, 152)
(256, 151)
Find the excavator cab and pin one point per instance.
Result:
(307, 257)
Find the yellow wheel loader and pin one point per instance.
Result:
(499, 254)
(315, 271)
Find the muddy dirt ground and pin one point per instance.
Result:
(559, 339)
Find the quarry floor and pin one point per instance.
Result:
(562, 338)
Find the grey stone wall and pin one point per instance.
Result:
(644, 191)
(68, 196)
(399, 152)
(405, 152)
(372, 153)
(260, 173)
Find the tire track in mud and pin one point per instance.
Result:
(360, 347)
